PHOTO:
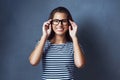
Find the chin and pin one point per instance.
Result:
(60, 34)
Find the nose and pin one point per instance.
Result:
(60, 23)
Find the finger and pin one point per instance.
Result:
(46, 24)
(74, 25)
(71, 22)
(49, 21)
(70, 28)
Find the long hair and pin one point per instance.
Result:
(61, 10)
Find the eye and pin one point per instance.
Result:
(55, 20)
(65, 20)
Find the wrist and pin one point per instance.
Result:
(75, 39)
(44, 37)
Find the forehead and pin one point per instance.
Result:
(59, 15)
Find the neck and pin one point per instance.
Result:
(58, 39)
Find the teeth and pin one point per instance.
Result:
(59, 29)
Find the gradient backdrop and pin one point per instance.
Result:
(99, 34)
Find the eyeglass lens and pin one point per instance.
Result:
(57, 21)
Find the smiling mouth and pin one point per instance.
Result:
(60, 29)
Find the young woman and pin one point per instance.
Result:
(58, 47)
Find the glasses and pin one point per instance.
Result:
(57, 21)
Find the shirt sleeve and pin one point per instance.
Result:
(47, 44)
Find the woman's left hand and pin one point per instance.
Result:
(73, 29)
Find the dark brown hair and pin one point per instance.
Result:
(61, 10)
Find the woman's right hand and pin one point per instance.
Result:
(36, 54)
(47, 28)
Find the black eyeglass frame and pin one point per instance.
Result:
(62, 21)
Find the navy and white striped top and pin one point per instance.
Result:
(58, 61)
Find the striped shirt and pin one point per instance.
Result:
(58, 61)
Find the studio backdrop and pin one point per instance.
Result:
(98, 31)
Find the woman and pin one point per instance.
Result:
(58, 47)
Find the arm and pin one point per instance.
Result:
(36, 54)
(79, 59)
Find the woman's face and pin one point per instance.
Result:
(60, 23)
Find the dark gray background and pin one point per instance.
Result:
(99, 34)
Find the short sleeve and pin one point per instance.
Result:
(47, 43)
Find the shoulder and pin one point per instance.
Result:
(47, 44)
(70, 45)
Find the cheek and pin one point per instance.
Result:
(67, 27)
